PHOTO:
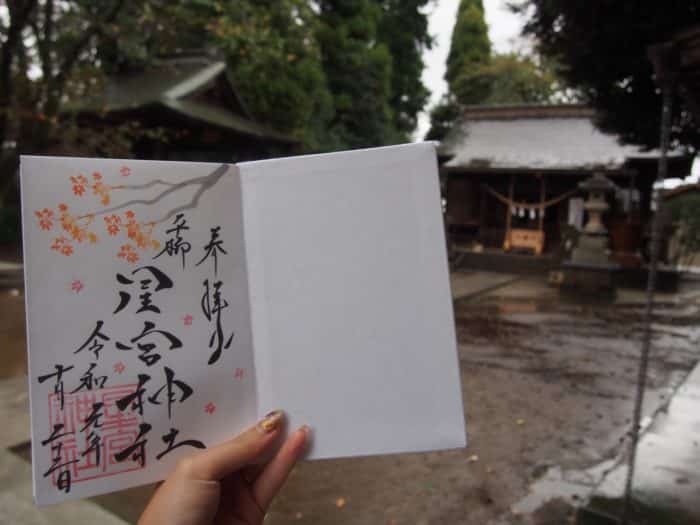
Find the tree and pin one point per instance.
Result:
(470, 46)
(270, 47)
(508, 79)
(601, 47)
(51, 41)
(403, 29)
(275, 60)
(443, 117)
(470, 50)
(358, 71)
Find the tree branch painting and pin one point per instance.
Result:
(79, 229)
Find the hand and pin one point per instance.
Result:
(220, 485)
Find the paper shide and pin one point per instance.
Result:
(172, 304)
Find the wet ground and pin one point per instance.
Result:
(548, 385)
(548, 388)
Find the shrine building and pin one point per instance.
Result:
(510, 180)
(187, 108)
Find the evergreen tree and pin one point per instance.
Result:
(443, 117)
(470, 46)
(602, 49)
(270, 47)
(470, 50)
(275, 61)
(403, 28)
(358, 71)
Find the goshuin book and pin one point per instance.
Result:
(171, 304)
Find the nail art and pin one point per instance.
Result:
(271, 421)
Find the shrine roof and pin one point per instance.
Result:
(530, 137)
(175, 85)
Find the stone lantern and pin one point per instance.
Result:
(592, 246)
(597, 186)
(590, 269)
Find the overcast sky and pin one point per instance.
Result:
(504, 32)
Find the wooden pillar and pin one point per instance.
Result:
(482, 211)
(543, 191)
(509, 218)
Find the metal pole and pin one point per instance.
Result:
(648, 311)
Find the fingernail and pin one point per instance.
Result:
(306, 429)
(271, 421)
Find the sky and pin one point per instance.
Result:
(504, 32)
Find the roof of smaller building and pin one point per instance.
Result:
(530, 137)
(173, 84)
(680, 190)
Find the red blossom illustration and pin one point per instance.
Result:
(77, 285)
(62, 245)
(77, 227)
(119, 367)
(127, 252)
(113, 224)
(45, 217)
(210, 408)
(79, 184)
(187, 320)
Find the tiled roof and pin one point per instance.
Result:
(171, 85)
(535, 137)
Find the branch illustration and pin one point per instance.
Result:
(206, 182)
(78, 229)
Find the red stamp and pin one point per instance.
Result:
(89, 443)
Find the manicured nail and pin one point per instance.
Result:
(271, 421)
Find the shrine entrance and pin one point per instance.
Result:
(525, 221)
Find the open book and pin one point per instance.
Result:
(172, 304)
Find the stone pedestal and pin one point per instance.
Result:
(591, 250)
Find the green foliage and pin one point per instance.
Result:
(470, 51)
(358, 70)
(276, 64)
(470, 45)
(685, 211)
(507, 79)
(475, 76)
(442, 118)
(403, 29)
(9, 226)
(602, 48)
(333, 73)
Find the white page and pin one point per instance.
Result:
(351, 308)
(67, 294)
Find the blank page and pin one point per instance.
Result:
(352, 320)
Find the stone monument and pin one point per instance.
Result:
(590, 268)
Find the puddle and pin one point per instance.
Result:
(572, 486)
